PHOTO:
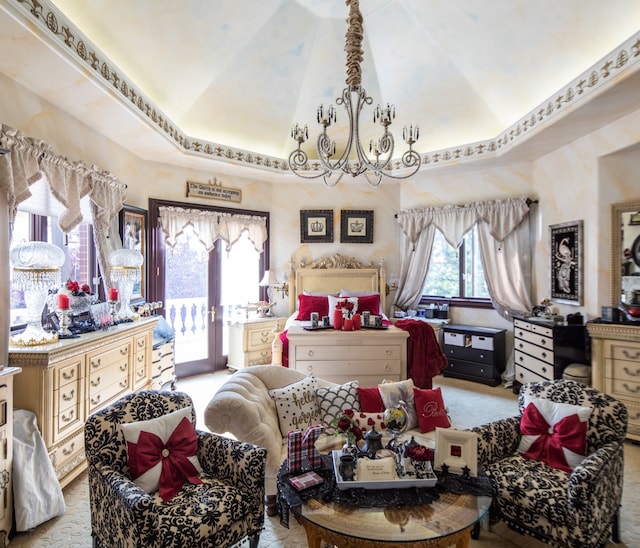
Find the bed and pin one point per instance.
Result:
(368, 355)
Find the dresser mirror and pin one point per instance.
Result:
(625, 251)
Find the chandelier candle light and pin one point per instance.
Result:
(354, 159)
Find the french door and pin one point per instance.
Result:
(200, 290)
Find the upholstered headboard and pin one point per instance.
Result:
(335, 272)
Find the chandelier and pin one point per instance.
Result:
(354, 160)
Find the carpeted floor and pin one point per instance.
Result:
(469, 404)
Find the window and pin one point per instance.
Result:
(456, 274)
(80, 263)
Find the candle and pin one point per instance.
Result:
(63, 301)
(113, 294)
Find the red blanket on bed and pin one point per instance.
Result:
(425, 358)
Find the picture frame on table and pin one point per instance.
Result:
(316, 225)
(566, 262)
(356, 226)
(133, 232)
(457, 451)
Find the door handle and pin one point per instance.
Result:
(213, 314)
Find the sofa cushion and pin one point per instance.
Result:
(367, 421)
(370, 399)
(393, 393)
(162, 452)
(333, 400)
(430, 409)
(554, 433)
(297, 405)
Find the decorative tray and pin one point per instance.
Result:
(374, 326)
(319, 328)
(399, 483)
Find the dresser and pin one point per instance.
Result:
(367, 355)
(163, 368)
(6, 451)
(65, 382)
(542, 349)
(474, 353)
(250, 341)
(615, 366)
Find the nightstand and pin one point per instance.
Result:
(250, 341)
(474, 353)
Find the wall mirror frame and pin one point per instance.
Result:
(625, 234)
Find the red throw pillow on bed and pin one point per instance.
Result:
(430, 409)
(370, 400)
(370, 303)
(312, 303)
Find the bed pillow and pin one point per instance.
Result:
(393, 392)
(369, 303)
(333, 303)
(162, 453)
(554, 433)
(370, 399)
(297, 405)
(335, 399)
(351, 293)
(430, 409)
(316, 294)
(311, 303)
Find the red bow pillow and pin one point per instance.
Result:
(162, 453)
(554, 433)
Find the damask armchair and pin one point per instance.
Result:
(577, 507)
(225, 508)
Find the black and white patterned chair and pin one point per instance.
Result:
(222, 511)
(577, 509)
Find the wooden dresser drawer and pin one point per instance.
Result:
(259, 337)
(622, 350)
(258, 357)
(116, 353)
(103, 393)
(354, 369)
(537, 339)
(540, 368)
(66, 455)
(68, 371)
(544, 354)
(351, 352)
(524, 375)
(523, 327)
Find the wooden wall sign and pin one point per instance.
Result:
(213, 190)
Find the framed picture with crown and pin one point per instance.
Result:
(316, 225)
(356, 226)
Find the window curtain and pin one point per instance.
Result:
(503, 230)
(211, 226)
(31, 159)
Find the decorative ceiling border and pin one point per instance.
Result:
(48, 18)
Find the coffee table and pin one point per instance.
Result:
(444, 522)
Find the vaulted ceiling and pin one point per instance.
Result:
(226, 79)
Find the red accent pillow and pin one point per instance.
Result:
(369, 303)
(554, 433)
(312, 303)
(370, 400)
(430, 409)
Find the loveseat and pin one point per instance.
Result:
(244, 408)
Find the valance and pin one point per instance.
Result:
(454, 221)
(211, 226)
(29, 159)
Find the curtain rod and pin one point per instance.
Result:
(529, 202)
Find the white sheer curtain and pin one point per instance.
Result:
(505, 249)
(211, 226)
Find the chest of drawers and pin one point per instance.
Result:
(474, 353)
(615, 367)
(64, 382)
(163, 369)
(542, 349)
(368, 356)
(250, 341)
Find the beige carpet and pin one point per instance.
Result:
(469, 403)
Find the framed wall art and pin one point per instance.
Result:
(133, 231)
(565, 250)
(356, 227)
(316, 225)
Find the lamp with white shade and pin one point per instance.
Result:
(270, 281)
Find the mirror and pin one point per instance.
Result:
(625, 252)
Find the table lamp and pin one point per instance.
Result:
(125, 265)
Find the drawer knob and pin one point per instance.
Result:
(123, 384)
(69, 396)
(635, 373)
(634, 356)
(69, 417)
(387, 367)
(95, 382)
(520, 345)
(124, 350)
(123, 367)
(544, 354)
(482, 355)
(632, 389)
(543, 341)
(388, 352)
(67, 376)
(544, 369)
(140, 343)
(310, 368)
(96, 363)
(66, 452)
(310, 353)
(96, 400)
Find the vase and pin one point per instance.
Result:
(357, 322)
(337, 320)
(347, 324)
